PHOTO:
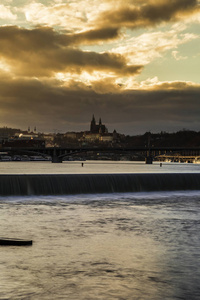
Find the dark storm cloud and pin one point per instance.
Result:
(45, 37)
(42, 51)
(148, 13)
(98, 35)
(49, 106)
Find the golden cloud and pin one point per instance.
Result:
(147, 13)
(6, 13)
(50, 105)
(43, 52)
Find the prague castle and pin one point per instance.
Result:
(97, 128)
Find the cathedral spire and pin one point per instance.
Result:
(93, 124)
(97, 128)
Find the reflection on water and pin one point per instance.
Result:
(117, 246)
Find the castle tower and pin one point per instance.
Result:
(93, 125)
(97, 128)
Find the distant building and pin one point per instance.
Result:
(49, 139)
(98, 133)
(97, 128)
(24, 140)
(106, 138)
(91, 137)
(71, 135)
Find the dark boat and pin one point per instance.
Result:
(15, 242)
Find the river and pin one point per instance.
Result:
(101, 246)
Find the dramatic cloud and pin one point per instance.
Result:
(76, 14)
(94, 13)
(149, 13)
(135, 63)
(42, 52)
(5, 13)
(149, 46)
(95, 36)
(33, 102)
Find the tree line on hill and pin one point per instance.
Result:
(182, 138)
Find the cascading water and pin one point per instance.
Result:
(59, 184)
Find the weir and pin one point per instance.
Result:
(22, 185)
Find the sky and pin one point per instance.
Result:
(134, 63)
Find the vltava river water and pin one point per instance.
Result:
(108, 246)
(95, 167)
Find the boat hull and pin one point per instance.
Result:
(15, 242)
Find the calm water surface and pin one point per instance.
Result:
(95, 167)
(116, 246)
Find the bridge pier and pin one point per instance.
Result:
(55, 158)
(148, 160)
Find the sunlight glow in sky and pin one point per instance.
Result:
(134, 63)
